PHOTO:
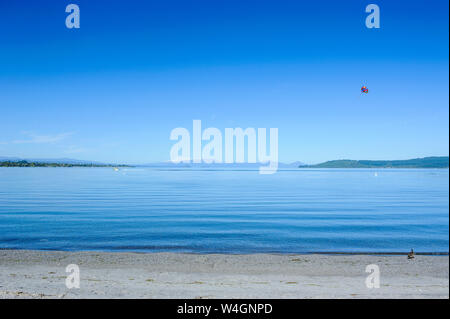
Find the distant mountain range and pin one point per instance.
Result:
(426, 162)
(69, 162)
(219, 165)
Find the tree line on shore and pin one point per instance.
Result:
(44, 164)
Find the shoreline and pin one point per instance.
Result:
(42, 274)
(337, 253)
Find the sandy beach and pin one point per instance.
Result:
(42, 274)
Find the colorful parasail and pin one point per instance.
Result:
(364, 89)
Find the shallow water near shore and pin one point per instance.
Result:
(225, 211)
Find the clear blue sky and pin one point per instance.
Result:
(114, 89)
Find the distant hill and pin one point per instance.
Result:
(48, 162)
(426, 162)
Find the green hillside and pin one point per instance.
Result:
(426, 162)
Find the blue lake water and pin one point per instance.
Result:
(225, 211)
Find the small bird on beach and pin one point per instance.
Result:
(411, 254)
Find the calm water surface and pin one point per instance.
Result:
(292, 211)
